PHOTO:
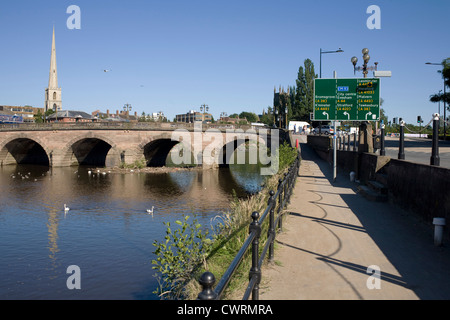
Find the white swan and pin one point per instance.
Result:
(150, 211)
(66, 208)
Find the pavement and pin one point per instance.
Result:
(337, 245)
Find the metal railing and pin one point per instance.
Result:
(274, 212)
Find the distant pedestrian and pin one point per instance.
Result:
(295, 128)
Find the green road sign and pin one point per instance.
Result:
(347, 99)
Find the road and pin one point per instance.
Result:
(418, 150)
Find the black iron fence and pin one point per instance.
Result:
(274, 212)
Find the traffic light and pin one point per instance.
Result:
(394, 121)
(419, 119)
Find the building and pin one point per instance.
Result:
(53, 92)
(226, 119)
(122, 116)
(27, 113)
(7, 116)
(69, 116)
(156, 116)
(193, 116)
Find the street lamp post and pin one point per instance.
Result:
(445, 116)
(320, 74)
(286, 113)
(324, 52)
(366, 130)
(127, 108)
(275, 118)
(364, 68)
(204, 108)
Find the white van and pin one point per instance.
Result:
(301, 127)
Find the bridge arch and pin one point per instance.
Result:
(90, 149)
(234, 150)
(22, 149)
(157, 149)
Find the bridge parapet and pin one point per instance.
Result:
(142, 126)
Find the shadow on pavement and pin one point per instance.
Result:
(404, 238)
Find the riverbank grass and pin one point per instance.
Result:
(191, 249)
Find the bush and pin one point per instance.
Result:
(178, 256)
(187, 252)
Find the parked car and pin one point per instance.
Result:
(324, 129)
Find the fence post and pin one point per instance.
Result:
(255, 271)
(207, 281)
(271, 230)
(280, 197)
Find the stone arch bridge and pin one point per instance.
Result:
(105, 145)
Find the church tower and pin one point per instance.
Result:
(53, 93)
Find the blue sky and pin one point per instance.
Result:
(177, 55)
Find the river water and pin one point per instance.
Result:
(107, 233)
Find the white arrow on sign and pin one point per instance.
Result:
(347, 114)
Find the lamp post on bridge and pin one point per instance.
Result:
(127, 108)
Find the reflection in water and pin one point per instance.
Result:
(107, 232)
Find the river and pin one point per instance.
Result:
(107, 233)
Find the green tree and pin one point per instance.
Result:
(38, 117)
(304, 95)
(267, 118)
(446, 76)
(250, 116)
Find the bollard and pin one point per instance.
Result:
(352, 176)
(296, 143)
(401, 148)
(434, 160)
(382, 149)
(439, 224)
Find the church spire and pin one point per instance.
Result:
(53, 92)
(53, 78)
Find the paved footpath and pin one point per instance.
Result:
(333, 235)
